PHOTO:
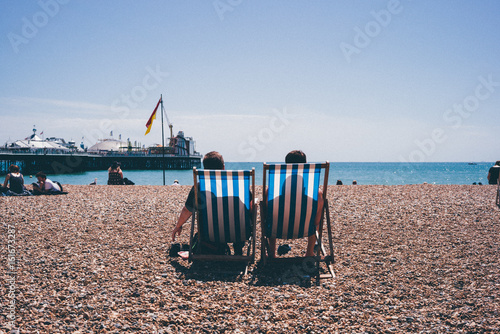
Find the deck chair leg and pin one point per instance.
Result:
(322, 246)
(191, 236)
(330, 240)
(328, 258)
(263, 241)
(254, 229)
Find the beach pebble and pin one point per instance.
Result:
(416, 258)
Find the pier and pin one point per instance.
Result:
(68, 163)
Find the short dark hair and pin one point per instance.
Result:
(497, 163)
(213, 160)
(295, 157)
(14, 168)
(41, 174)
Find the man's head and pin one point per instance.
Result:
(497, 163)
(295, 157)
(41, 176)
(213, 160)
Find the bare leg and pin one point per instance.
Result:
(311, 240)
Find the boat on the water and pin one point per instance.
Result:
(58, 156)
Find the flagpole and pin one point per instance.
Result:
(162, 140)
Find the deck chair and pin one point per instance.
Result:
(224, 212)
(289, 208)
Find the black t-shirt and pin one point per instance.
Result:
(494, 171)
(190, 200)
(189, 204)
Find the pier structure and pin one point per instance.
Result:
(68, 163)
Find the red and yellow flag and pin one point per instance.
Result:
(151, 118)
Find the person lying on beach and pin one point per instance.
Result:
(45, 185)
(293, 157)
(14, 183)
(211, 160)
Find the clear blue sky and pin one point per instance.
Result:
(341, 80)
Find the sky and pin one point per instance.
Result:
(377, 81)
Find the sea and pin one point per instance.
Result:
(365, 173)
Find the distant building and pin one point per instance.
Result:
(109, 145)
(183, 146)
(35, 144)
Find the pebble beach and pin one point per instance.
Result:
(415, 258)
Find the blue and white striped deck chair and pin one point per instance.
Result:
(290, 204)
(224, 212)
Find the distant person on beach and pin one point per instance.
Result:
(14, 182)
(354, 182)
(115, 174)
(297, 156)
(45, 185)
(211, 160)
(339, 183)
(493, 173)
(176, 183)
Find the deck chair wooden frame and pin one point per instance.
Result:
(288, 210)
(226, 213)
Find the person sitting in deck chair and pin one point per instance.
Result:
(211, 160)
(297, 156)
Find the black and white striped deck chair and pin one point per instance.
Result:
(224, 212)
(289, 208)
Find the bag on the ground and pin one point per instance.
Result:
(60, 185)
(127, 182)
